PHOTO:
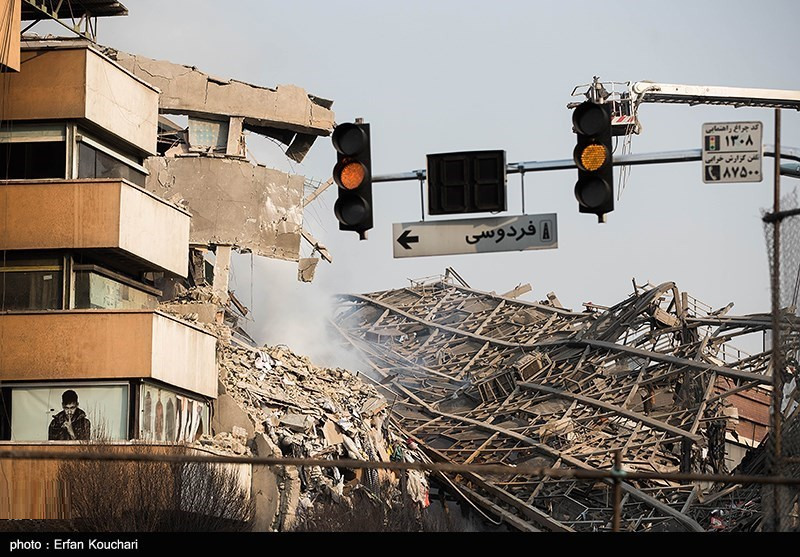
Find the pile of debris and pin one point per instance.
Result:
(654, 381)
(304, 411)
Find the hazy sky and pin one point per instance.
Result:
(438, 76)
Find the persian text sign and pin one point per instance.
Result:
(732, 152)
(452, 237)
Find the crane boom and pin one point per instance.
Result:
(648, 91)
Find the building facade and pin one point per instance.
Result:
(103, 222)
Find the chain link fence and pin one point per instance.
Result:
(782, 230)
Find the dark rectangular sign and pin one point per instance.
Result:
(466, 182)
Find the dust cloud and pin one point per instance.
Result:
(286, 311)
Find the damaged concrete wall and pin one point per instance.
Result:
(306, 268)
(287, 113)
(234, 202)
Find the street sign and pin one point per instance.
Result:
(732, 152)
(452, 237)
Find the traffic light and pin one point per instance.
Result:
(353, 175)
(594, 189)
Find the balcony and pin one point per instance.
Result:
(111, 217)
(103, 344)
(80, 83)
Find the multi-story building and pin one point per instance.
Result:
(102, 220)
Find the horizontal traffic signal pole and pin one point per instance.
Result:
(688, 155)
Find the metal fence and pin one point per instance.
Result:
(782, 230)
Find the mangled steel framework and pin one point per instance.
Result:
(479, 378)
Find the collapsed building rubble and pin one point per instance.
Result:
(479, 378)
(274, 402)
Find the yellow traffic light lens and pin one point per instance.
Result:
(593, 156)
(351, 174)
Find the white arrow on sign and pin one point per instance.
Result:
(452, 237)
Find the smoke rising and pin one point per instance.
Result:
(286, 311)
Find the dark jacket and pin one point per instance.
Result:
(80, 425)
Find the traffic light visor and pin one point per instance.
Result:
(592, 192)
(351, 210)
(349, 139)
(591, 157)
(591, 119)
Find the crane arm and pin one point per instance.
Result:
(652, 92)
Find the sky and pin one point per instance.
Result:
(459, 75)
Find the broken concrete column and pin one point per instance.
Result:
(276, 490)
(271, 502)
(222, 269)
(235, 146)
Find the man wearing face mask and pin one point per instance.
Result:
(71, 423)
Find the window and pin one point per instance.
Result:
(34, 160)
(96, 287)
(30, 283)
(168, 416)
(36, 411)
(95, 163)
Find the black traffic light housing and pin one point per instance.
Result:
(353, 175)
(594, 189)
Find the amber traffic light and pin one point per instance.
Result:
(353, 175)
(594, 189)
